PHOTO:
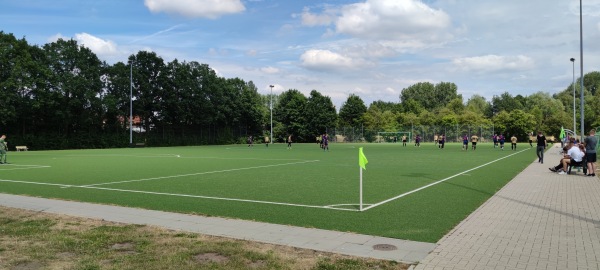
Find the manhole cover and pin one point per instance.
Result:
(384, 247)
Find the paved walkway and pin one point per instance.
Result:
(540, 220)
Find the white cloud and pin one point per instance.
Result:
(269, 70)
(104, 49)
(251, 52)
(392, 20)
(97, 45)
(328, 60)
(492, 62)
(311, 19)
(211, 9)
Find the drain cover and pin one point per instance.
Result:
(384, 247)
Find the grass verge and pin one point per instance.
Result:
(34, 240)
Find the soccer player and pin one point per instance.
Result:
(435, 139)
(513, 142)
(531, 140)
(325, 141)
(403, 140)
(267, 141)
(250, 141)
(418, 141)
(495, 139)
(501, 140)
(465, 145)
(289, 141)
(3, 149)
(474, 140)
(442, 141)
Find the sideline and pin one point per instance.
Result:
(179, 195)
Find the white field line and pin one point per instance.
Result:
(182, 195)
(7, 167)
(437, 182)
(169, 156)
(200, 173)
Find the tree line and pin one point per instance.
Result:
(62, 96)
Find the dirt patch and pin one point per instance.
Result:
(257, 264)
(206, 258)
(123, 246)
(28, 266)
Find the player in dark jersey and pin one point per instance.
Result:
(465, 143)
(325, 142)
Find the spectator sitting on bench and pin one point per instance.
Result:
(574, 154)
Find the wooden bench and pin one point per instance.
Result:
(21, 147)
(139, 145)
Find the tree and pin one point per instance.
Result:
(477, 104)
(517, 122)
(290, 114)
(75, 82)
(430, 96)
(320, 114)
(250, 107)
(149, 78)
(352, 111)
(505, 102)
(456, 105)
(378, 120)
(421, 93)
(387, 106)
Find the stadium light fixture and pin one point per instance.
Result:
(271, 107)
(573, 85)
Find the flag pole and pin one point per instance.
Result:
(362, 162)
(361, 189)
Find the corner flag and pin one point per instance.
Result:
(362, 160)
(562, 133)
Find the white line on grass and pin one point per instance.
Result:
(33, 183)
(181, 195)
(200, 173)
(3, 167)
(437, 182)
(120, 155)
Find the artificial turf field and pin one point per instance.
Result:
(302, 186)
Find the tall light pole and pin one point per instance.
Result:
(573, 85)
(131, 103)
(581, 64)
(271, 107)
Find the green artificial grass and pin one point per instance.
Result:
(278, 185)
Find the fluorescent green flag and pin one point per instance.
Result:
(362, 160)
(562, 133)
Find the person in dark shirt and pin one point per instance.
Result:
(541, 146)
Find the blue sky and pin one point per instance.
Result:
(371, 48)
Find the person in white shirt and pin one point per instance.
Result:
(574, 154)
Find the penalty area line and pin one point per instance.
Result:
(437, 182)
(200, 173)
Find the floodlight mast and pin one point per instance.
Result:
(573, 85)
(582, 117)
(131, 103)
(271, 108)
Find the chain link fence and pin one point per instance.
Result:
(427, 133)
